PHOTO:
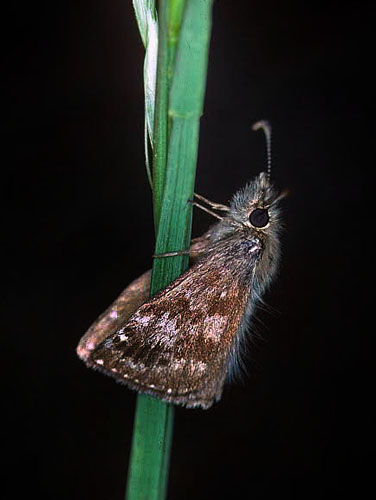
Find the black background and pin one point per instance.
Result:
(79, 222)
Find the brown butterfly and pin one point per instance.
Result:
(182, 344)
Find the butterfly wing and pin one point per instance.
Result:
(132, 297)
(177, 345)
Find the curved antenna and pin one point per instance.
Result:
(267, 128)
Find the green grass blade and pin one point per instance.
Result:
(151, 444)
(170, 12)
(185, 108)
(179, 101)
(174, 18)
(147, 22)
(160, 114)
(188, 84)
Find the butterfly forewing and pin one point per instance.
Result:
(130, 299)
(177, 345)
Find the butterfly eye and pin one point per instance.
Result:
(259, 217)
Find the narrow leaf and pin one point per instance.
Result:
(147, 21)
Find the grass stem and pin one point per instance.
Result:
(181, 79)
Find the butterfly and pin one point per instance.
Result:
(181, 344)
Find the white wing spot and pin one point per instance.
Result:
(90, 346)
(169, 391)
(113, 314)
(99, 361)
(214, 326)
(169, 326)
(142, 320)
(123, 337)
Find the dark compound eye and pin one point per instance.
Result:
(259, 217)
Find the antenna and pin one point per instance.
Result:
(267, 128)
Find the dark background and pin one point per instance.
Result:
(79, 228)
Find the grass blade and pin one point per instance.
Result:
(178, 107)
(147, 22)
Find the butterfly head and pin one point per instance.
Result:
(254, 219)
(255, 207)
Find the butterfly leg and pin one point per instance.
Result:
(212, 204)
(205, 209)
(171, 254)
